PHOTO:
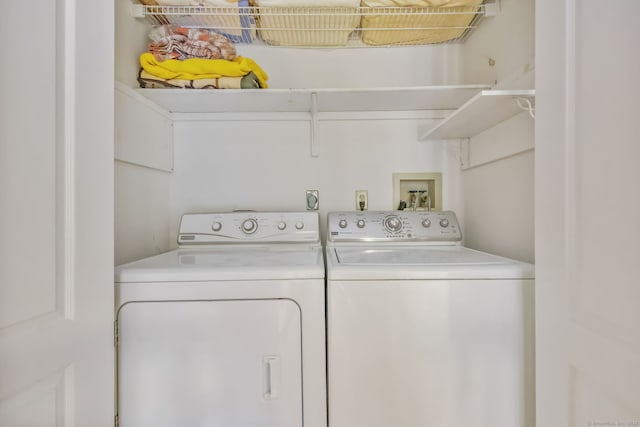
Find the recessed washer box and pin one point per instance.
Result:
(423, 184)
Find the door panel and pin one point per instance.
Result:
(214, 363)
(56, 214)
(587, 230)
(28, 171)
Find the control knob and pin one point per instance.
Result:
(342, 223)
(444, 223)
(426, 223)
(282, 225)
(361, 223)
(249, 226)
(393, 224)
(299, 225)
(217, 226)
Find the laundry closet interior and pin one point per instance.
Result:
(335, 120)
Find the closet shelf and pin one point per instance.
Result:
(317, 27)
(486, 109)
(417, 98)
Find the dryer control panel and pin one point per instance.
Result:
(400, 226)
(249, 227)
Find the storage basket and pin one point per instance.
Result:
(416, 22)
(312, 26)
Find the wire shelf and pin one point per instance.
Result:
(325, 26)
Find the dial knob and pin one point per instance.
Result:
(393, 224)
(361, 223)
(249, 226)
(216, 226)
(282, 225)
(299, 225)
(444, 223)
(342, 223)
(426, 223)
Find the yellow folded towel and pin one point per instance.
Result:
(198, 68)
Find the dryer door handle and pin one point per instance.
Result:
(271, 377)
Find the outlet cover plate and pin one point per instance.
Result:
(312, 200)
(362, 195)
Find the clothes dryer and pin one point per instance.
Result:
(421, 330)
(228, 329)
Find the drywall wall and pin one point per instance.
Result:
(142, 209)
(498, 188)
(266, 165)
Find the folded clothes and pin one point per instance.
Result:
(235, 22)
(175, 42)
(149, 81)
(198, 68)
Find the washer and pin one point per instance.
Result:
(421, 330)
(227, 330)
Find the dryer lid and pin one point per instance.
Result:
(267, 262)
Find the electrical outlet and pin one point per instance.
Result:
(312, 200)
(362, 200)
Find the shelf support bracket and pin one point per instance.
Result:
(315, 131)
(137, 10)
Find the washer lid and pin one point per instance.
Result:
(420, 262)
(267, 262)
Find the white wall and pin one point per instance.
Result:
(142, 210)
(508, 39)
(498, 189)
(267, 166)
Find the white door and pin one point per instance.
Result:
(56, 213)
(231, 363)
(588, 212)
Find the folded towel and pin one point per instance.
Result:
(239, 27)
(148, 81)
(198, 68)
(175, 42)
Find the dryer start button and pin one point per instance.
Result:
(249, 226)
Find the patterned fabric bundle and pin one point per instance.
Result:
(200, 68)
(175, 42)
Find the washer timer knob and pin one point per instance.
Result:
(249, 226)
(217, 226)
(342, 223)
(426, 223)
(361, 223)
(444, 223)
(393, 224)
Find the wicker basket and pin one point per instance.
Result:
(416, 24)
(307, 26)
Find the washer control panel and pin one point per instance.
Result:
(248, 226)
(409, 226)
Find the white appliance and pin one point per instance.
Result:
(421, 330)
(227, 330)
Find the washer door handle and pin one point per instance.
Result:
(271, 375)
